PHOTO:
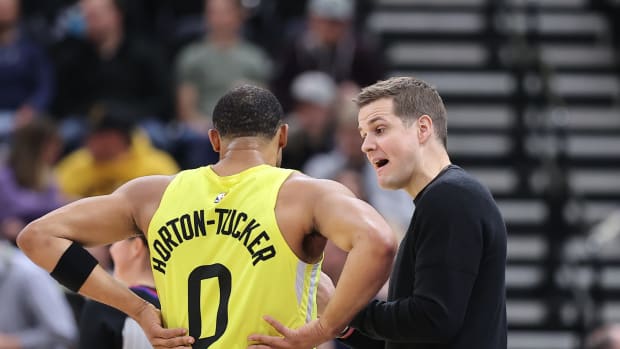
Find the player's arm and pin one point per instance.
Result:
(55, 241)
(354, 226)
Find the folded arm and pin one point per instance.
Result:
(97, 221)
(354, 226)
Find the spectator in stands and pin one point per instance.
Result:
(103, 327)
(34, 313)
(113, 66)
(114, 154)
(311, 120)
(272, 18)
(26, 82)
(604, 337)
(206, 70)
(329, 44)
(28, 188)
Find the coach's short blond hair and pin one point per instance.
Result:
(412, 98)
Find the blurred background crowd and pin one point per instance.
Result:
(94, 93)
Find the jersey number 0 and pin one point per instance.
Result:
(193, 300)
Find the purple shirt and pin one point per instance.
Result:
(24, 203)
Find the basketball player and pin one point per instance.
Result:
(229, 242)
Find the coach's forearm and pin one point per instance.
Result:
(365, 271)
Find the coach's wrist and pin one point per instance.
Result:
(346, 332)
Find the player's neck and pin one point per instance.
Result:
(239, 155)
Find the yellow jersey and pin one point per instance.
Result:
(220, 261)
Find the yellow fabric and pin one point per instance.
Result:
(216, 238)
(80, 176)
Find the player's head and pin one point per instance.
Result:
(411, 98)
(249, 111)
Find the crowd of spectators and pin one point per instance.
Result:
(94, 93)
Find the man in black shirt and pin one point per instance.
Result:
(447, 289)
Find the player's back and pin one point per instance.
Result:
(220, 261)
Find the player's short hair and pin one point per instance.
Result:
(412, 98)
(248, 111)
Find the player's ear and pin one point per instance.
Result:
(214, 137)
(283, 135)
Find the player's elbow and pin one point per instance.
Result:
(384, 244)
(31, 238)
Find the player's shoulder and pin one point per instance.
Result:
(303, 184)
(147, 183)
(145, 189)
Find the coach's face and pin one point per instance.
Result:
(391, 146)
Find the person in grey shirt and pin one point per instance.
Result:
(34, 312)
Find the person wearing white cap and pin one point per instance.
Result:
(311, 119)
(328, 44)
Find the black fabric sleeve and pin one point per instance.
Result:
(100, 327)
(359, 340)
(430, 316)
(447, 243)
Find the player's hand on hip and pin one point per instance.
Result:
(305, 337)
(160, 337)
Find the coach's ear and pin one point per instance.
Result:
(283, 135)
(214, 137)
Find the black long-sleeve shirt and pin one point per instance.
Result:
(104, 327)
(447, 289)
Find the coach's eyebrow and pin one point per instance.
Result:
(371, 121)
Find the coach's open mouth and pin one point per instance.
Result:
(381, 162)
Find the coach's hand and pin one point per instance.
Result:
(305, 337)
(149, 319)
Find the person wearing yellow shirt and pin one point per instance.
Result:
(114, 153)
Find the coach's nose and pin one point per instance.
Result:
(368, 144)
